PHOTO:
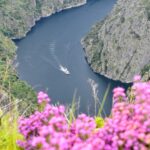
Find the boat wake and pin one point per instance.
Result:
(49, 61)
(57, 65)
(52, 48)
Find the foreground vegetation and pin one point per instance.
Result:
(127, 127)
(9, 82)
(9, 134)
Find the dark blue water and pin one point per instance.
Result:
(56, 40)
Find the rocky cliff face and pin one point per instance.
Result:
(119, 46)
(17, 17)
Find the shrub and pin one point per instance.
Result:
(9, 128)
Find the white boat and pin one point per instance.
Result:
(64, 69)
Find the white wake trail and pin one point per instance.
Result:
(57, 64)
(52, 48)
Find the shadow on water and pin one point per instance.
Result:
(55, 40)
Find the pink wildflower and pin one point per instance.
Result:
(137, 78)
(43, 97)
(119, 95)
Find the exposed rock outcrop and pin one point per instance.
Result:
(119, 46)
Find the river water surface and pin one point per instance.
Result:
(56, 40)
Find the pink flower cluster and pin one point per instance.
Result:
(50, 130)
(141, 90)
(119, 95)
(127, 128)
(43, 98)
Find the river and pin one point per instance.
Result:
(55, 40)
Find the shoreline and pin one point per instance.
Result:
(47, 15)
(105, 75)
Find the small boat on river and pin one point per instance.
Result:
(64, 69)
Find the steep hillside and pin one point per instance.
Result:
(119, 46)
(17, 17)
